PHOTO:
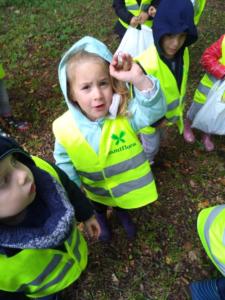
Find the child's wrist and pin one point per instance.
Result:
(143, 83)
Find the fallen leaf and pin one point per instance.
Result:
(193, 183)
(203, 204)
(193, 255)
(188, 246)
(115, 280)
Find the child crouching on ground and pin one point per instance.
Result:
(96, 140)
(41, 250)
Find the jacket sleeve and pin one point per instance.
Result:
(64, 162)
(121, 11)
(210, 59)
(147, 107)
(83, 207)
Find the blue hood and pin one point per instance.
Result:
(174, 17)
(88, 44)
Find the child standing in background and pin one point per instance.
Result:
(5, 110)
(96, 141)
(41, 250)
(213, 61)
(168, 60)
(133, 13)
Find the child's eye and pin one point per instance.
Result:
(14, 162)
(103, 83)
(85, 87)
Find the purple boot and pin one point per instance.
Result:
(127, 223)
(188, 132)
(105, 234)
(208, 143)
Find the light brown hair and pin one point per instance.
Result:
(118, 86)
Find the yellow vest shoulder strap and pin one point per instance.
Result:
(44, 165)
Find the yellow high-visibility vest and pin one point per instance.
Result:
(211, 228)
(134, 8)
(2, 72)
(119, 175)
(154, 65)
(41, 272)
(198, 9)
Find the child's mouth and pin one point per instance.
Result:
(99, 107)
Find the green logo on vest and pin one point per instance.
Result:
(119, 138)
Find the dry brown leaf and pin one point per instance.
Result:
(115, 280)
(203, 204)
(188, 246)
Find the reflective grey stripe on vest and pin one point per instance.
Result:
(144, 6)
(126, 165)
(136, 7)
(95, 176)
(133, 7)
(41, 277)
(116, 169)
(214, 213)
(76, 246)
(122, 188)
(205, 89)
(129, 186)
(212, 78)
(62, 274)
(173, 105)
(173, 119)
(97, 190)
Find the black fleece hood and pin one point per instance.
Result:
(9, 146)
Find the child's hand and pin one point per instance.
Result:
(143, 17)
(134, 22)
(125, 69)
(92, 227)
(152, 11)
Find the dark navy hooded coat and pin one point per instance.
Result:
(174, 17)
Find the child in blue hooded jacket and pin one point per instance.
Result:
(96, 140)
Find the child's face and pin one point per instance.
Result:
(171, 44)
(91, 88)
(17, 187)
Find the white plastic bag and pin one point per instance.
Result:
(211, 117)
(135, 41)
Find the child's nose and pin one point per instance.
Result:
(97, 93)
(175, 42)
(21, 177)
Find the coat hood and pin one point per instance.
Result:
(88, 44)
(9, 146)
(174, 17)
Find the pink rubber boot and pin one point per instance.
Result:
(208, 143)
(188, 133)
